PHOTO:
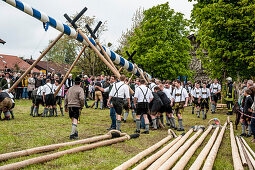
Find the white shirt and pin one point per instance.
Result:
(205, 93)
(152, 86)
(39, 91)
(49, 88)
(143, 94)
(9, 82)
(168, 92)
(215, 88)
(59, 92)
(10, 95)
(120, 90)
(196, 92)
(180, 94)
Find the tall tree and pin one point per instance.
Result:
(161, 43)
(226, 29)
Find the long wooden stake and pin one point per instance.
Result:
(246, 155)
(69, 71)
(235, 155)
(56, 155)
(130, 78)
(170, 152)
(140, 73)
(245, 143)
(213, 153)
(250, 157)
(47, 148)
(186, 157)
(143, 154)
(117, 74)
(146, 77)
(155, 156)
(35, 63)
(170, 162)
(120, 69)
(244, 161)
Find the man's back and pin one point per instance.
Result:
(75, 97)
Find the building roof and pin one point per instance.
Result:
(14, 63)
(2, 41)
(50, 66)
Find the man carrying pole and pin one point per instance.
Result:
(74, 103)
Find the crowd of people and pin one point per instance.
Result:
(148, 101)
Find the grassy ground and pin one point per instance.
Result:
(27, 132)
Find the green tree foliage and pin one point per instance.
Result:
(66, 49)
(161, 43)
(226, 29)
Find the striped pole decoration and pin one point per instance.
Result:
(72, 33)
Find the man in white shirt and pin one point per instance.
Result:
(167, 89)
(206, 95)
(58, 99)
(179, 101)
(152, 85)
(143, 96)
(116, 96)
(196, 98)
(215, 92)
(48, 98)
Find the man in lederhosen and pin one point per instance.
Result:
(38, 99)
(48, 98)
(179, 101)
(116, 96)
(143, 96)
(206, 95)
(215, 92)
(196, 98)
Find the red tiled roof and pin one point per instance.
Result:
(12, 62)
(50, 66)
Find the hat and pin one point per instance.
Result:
(85, 76)
(77, 79)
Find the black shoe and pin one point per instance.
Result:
(145, 132)
(74, 136)
(192, 112)
(137, 131)
(180, 129)
(243, 134)
(198, 116)
(168, 124)
(111, 129)
(248, 136)
(125, 121)
(87, 106)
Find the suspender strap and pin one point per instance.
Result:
(117, 90)
(144, 95)
(50, 89)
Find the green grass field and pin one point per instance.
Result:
(27, 132)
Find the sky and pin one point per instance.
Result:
(25, 36)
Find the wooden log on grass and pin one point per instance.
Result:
(155, 156)
(146, 152)
(213, 153)
(248, 147)
(56, 155)
(235, 154)
(186, 157)
(170, 152)
(47, 148)
(241, 151)
(170, 162)
(246, 155)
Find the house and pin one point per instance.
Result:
(50, 66)
(14, 63)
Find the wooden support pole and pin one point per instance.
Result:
(35, 63)
(130, 78)
(47, 148)
(186, 157)
(144, 153)
(56, 155)
(146, 77)
(213, 153)
(235, 154)
(250, 157)
(155, 156)
(141, 74)
(170, 152)
(69, 71)
(201, 157)
(116, 73)
(170, 162)
(245, 143)
(120, 69)
(241, 151)
(246, 155)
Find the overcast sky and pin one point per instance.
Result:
(25, 36)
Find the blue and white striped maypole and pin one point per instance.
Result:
(72, 32)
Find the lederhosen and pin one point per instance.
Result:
(142, 107)
(179, 106)
(33, 95)
(155, 104)
(39, 98)
(166, 103)
(117, 102)
(213, 95)
(49, 98)
(205, 101)
(195, 102)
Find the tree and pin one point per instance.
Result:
(226, 29)
(161, 43)
(66, 49)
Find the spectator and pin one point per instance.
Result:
(31, 85)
